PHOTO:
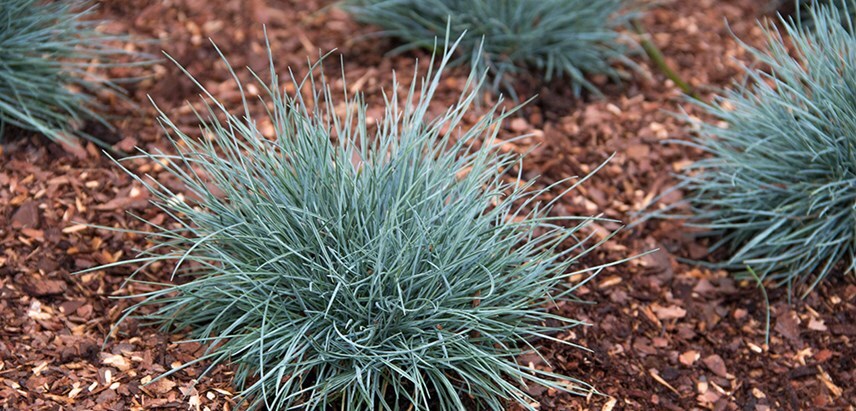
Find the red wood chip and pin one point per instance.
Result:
(715, 364)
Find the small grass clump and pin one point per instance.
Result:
(343, 265)
(51, 59)
(779, 187)
(559, 38)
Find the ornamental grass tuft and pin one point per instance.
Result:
(559, 38)
(395, 265)
(779, 187)
(52, 58)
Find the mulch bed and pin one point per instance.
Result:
(664, 334)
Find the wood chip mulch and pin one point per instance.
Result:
(663, 334)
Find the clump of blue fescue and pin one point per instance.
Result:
(52, 58)
(360, 267)
(778, 191)
(558, 38)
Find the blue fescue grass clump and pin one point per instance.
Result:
(558, 38)
(779, 187)
(402, 265)
(52, 59)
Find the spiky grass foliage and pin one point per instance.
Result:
(846, 9)
(52, 57)
(563, 38)
(340, 267)
(779, 186)
(797, 8)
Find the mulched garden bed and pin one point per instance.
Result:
(664, 334)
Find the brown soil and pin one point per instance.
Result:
(664, 335)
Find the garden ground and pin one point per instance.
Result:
(664, 334)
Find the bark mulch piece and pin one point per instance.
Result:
(663, 334)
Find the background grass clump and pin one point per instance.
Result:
(344, 266)
(52, 61)
(569, 39)
(779, 187)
